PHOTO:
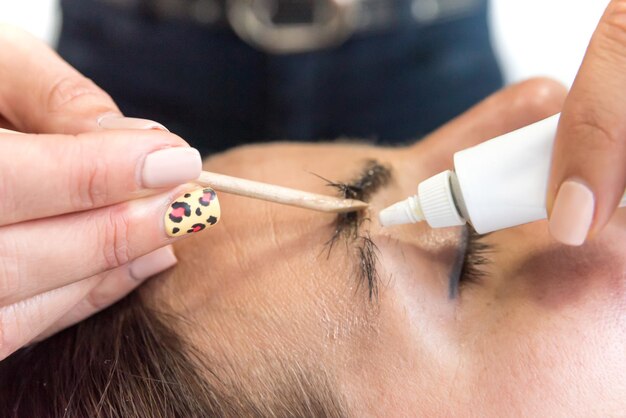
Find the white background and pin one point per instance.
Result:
(532, 37)
(543, 37)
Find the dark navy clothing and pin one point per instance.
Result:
(216, 91)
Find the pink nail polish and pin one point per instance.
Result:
(572, 213)
(115, 121)
(152, 263)
(171, 166)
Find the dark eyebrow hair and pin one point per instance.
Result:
(347, 226)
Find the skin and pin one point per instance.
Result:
(542, 335)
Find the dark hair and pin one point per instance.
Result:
(127, 361)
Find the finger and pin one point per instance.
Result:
(114, 286)
(22, 321)
(588, 170)
(511, 108)
(41, 93)
(5, 124)
(44, 254)
(46, 175)
(44, 314)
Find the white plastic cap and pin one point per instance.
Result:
(433, 203)
(437, 201)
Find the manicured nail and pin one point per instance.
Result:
(572, 213)
(115, 121)
(170, 167)
(192, 212)
(152, 263)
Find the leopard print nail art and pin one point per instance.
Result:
(192, 212)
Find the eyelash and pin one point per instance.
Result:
(476, 257)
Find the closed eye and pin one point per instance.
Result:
(475, 256)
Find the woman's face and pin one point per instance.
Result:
(541, 332)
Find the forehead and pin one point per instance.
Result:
(265, 254)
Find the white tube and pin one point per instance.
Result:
(497, 184)
(504, 181)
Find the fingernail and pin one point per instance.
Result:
(192, 212)
(572, 213)
(116, 121)
(153, 263)
(171, 166)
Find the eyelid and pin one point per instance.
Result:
(475, 256)
(458, 264)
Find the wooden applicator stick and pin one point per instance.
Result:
(279, 194)
(271, 192)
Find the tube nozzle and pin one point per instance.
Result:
(404, 212)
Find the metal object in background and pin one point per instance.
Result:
(291, 26)
(295, 26)
(426, 11)
(288, 26)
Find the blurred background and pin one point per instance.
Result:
(531, 37)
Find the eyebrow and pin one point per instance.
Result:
(371, 177)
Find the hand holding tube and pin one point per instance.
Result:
(588, 174)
